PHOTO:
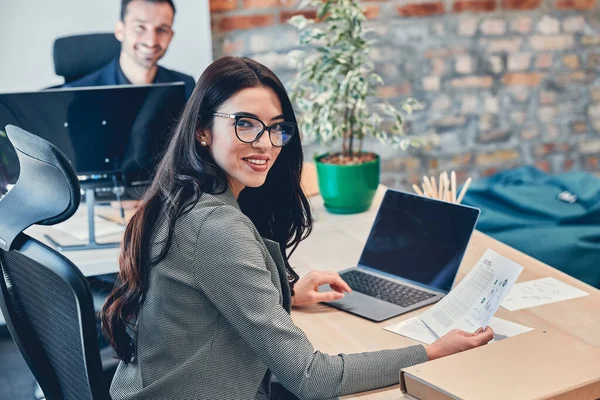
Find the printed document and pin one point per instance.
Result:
(473, 302)
(414, 328)
(538, 292)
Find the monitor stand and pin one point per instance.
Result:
(90, 200)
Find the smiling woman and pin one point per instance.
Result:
(229, 144)
(202, 306)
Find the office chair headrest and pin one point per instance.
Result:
(47, 191)
(77, 56)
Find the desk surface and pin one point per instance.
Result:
(90, 262)
(336, 243)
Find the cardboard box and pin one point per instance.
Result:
(541, 364)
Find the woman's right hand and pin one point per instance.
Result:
(456, 341)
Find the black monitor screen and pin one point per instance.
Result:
(419, 239)
(102, 130)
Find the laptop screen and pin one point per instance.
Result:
(419, 239)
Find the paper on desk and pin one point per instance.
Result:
(77, 226)
(414, 328)
(539, 292)
(473, 302)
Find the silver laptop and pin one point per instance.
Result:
(411, 257)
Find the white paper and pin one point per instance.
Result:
(471, 304)
(538, 292)
(77, 226)
(504, 329)
(414, 328)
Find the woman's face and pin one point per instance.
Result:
(246, 164)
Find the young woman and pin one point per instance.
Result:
(202, 308)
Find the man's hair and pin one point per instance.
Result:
(125, 3)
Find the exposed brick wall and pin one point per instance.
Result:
(505, 82)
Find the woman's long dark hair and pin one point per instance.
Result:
(279, 209)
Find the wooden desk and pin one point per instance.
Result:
(336, 243)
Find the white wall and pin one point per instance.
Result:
(28, 29)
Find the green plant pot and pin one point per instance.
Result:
(348, 189)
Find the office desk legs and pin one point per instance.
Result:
(90, 200)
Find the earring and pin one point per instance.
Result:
(203, 143)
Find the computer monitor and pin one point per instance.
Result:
(104, 131)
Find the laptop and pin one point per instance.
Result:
(411, 257)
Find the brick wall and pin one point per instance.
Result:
(505, 82)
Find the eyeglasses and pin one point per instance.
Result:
(250, 129)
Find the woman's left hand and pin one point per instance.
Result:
(306, 290)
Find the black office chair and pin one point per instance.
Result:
(77, 56)
(45, 299)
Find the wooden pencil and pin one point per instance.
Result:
(427, 185)
(417, 190)
(464, 190)
(446, 185)
(434, 187)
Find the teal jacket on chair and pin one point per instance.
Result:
(555, 219)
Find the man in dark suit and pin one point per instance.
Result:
(145, 31)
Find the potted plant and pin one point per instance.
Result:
(332, 93)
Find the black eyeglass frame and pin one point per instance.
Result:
(237, 117)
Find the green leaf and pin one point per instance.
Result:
(300, 22)
(324, 9)
(335, 84)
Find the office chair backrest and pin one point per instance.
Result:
(45, 299)
(77, 56)
(47, 191)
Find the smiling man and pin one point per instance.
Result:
(145, 31)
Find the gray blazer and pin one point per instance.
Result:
(216, 322)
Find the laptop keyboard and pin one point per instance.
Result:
(385, 290)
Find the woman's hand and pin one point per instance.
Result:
(456, 341)
(306, 290)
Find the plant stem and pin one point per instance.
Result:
(347, 134)
(351, 146)
(351, 140)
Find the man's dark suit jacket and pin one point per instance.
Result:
(111, 74)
